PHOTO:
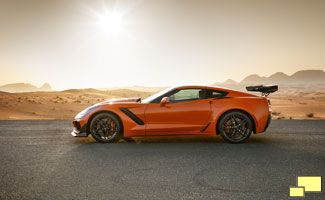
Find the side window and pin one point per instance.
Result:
(187, 95)
(215, 93)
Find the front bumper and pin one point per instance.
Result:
(76, 134)
(79, 131)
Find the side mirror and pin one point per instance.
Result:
(164, 101)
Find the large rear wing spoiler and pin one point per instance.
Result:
(265, 89)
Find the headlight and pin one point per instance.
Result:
(82, 113)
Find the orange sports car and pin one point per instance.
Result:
(185, 110)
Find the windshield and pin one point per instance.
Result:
(153, 97)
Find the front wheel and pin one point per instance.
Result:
(105, 127)
(235, 127)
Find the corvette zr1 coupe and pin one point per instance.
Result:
(185, 110)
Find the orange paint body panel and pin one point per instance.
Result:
(199, 117)
(189, 117)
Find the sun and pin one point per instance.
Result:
(111, 23)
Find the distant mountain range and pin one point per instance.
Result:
(303, 77)
(24, 87)
(300, 77)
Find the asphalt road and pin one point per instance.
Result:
(41, 160)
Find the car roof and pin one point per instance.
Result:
(201, 86)
(215, 88)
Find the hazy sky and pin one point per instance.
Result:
(157, 43)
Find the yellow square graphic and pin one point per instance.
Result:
(311, 183)
(297, 191)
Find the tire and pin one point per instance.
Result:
(105, 128)
(235, 127)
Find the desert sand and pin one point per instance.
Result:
(66, 104)
(294, 104)
(300, 96)
(56, 105)
(298, 105)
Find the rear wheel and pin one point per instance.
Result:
(235, 127)
(105, 127)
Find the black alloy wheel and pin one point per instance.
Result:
(235, 127)
(105, 127)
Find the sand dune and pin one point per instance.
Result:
(56, 105)
(297, 105)
(293, 104)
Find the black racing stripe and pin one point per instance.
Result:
(205, 127)
(130, 114)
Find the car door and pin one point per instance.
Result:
(187, 112)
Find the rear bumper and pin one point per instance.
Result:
(268, 122)
(79, 131)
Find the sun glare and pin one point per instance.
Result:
(111, 23)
